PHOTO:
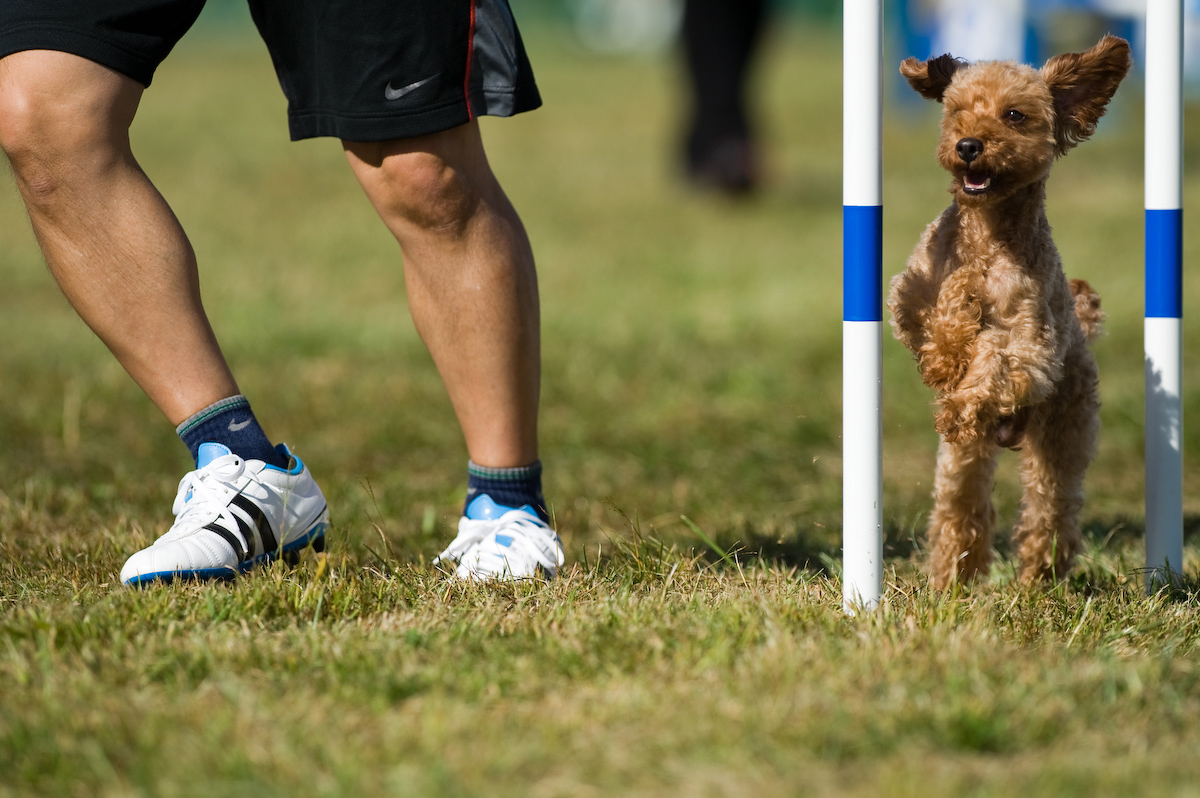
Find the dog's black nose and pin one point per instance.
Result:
(969, 149)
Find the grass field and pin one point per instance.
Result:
(692, 370)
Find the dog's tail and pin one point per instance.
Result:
(1087, 308)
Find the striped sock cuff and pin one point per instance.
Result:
(196, 419)
(516, 474)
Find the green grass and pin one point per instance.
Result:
(692, 369)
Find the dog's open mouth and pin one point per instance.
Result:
(976, 182)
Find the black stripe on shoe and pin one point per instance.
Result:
(247, 534)
(229, 538)
(270, 543)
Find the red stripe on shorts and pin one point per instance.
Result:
(470, 58)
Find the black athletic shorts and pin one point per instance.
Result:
(361, 70)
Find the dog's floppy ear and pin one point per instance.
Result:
(930, 78)
(1082, 84)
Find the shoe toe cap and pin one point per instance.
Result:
(186, 558)
(483, 563)
(495, 558)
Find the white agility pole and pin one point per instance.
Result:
(862, 308)
(1164, 291)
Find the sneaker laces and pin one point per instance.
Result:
(199, 490)
(524, 543)
(466, 539)
(525, 531)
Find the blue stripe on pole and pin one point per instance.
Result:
(862, 263)
(1164, 264)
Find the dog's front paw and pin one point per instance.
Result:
(953, 430)
(957, 420)
(939, 372)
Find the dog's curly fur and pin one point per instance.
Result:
(998, 331)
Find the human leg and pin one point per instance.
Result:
(125, 265)
(112, 242)
(472, 290)
(109, 238)
(401, 83)
(719, 41)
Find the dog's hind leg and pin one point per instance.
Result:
(1057, 447)
(960, 528)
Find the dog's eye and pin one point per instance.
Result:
(1014, 116)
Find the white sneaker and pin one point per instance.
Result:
(502, 543)
(231, 515)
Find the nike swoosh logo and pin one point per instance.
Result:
(238, 426)
(396, 94)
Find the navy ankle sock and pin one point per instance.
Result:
(230, 422)
(512, 487)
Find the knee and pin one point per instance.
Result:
(23, 128)
(47, 141)
(422, 191)
(32, 136)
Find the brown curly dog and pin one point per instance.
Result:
(997, 330)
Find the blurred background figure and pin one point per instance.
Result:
(625, 26)
(981, 30)
(720, 38)
(719, 42)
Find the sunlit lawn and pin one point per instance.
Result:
(691, 369)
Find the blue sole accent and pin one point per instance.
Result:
(315, 537)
